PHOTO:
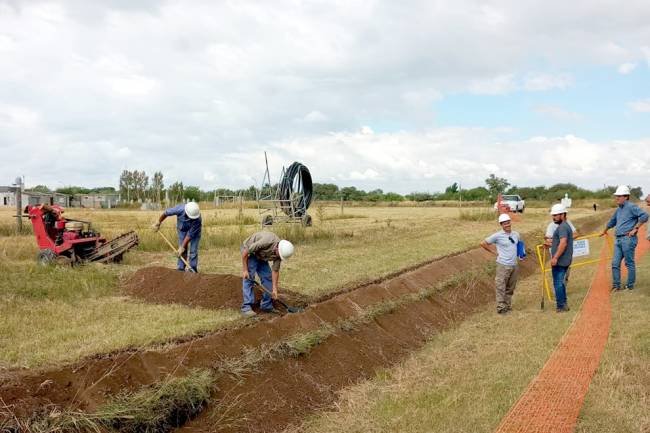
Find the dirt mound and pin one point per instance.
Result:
(160, 285)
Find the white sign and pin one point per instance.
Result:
(581, 248)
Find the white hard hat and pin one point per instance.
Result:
(192, 210)
(503, 218)
(557, 209)
(285, 248)
(622, 190)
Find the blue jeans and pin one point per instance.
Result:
(193, 248)
(261, 268)
(559, 283)
(624, 248)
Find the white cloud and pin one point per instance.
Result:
(493, 86)
(200, 90)
(626, 68)
(541, 82)
(646, 53)
(315, 116)
(642, 106)
(368, 174)
(558, 113)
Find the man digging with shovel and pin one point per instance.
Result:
(256, 253)
(188, 225)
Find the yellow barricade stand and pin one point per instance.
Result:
(543, 256)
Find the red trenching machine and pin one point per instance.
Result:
(68, 241)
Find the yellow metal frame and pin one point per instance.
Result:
(542, 257)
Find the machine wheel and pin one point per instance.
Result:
(267, 220)
(522, 209)
(64, 261)
(306, 221)
(46, 257)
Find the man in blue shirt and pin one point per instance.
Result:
(627, 219)
(188, 225)
(507, 260)
(561, 255)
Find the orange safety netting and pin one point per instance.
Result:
(553, 400)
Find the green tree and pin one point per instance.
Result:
(192, 193)
(41, 188)
(176, 192)
(452, 189)
(496, 185)
(157, 187)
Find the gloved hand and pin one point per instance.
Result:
(155, 226)
(181, 250)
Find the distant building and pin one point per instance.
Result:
(97, 201)
(8, 198)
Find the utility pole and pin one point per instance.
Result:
(18, 191)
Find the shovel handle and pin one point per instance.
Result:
(265, 290)
(175, 250)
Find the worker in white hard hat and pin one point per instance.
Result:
(627, 219)
(550, 229)
(256, 252)
(561, 255)
(505, 241)
(188, 226)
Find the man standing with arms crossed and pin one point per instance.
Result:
(561, 255)
(627, 219)
(507, 270)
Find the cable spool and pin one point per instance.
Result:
(295, 190)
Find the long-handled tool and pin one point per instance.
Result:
(176, 250)
(289, 308)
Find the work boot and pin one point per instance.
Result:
(249, 313)
(629, 287)
(562, 309)
(271, 311)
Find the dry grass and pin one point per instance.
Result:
(619, 396)
(153, 409)
(465, 379)
(375, 242)
(45, 332)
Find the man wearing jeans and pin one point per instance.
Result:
(627, 219)
(561, 255)
(188, 226)
(507, 271)
(256, 252)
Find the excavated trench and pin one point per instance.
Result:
(279, 392)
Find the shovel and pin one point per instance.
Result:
(176, 251)
(289, 308)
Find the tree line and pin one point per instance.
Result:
(137, 186)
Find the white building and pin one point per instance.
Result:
(8, 198)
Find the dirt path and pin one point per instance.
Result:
(555, 397)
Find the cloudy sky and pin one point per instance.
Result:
(403, 96)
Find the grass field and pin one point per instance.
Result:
(53, 315)
(466, 379)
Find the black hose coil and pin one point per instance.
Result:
(300, 203)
